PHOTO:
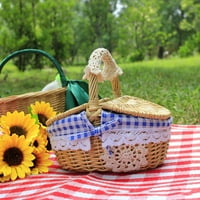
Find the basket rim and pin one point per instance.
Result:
(30, 94)
(66, 113)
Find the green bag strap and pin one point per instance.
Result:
(63, 79)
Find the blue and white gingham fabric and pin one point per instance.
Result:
(77, 126)
(128, 121)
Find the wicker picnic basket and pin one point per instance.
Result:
(55, 97)
(123, 134)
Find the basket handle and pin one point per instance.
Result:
(94, 74)
(51, 58)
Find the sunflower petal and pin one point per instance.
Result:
(6, 170)
(20, 172)
(13, 175)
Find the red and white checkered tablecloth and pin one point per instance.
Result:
(177, 179)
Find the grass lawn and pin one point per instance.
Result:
(173, 83)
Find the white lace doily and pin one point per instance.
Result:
(125, 158)
(110, 69)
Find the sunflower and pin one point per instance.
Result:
(19, 123)
(41, 162)
(15, 156)
(43, 110)
(39, 143)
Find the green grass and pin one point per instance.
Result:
(173, 83)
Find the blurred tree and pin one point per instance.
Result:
(171, 15)
(55, 24)
(139, 23)
(17, 19)
(37, 24)
(100, 23)
(191, 24)
(71, 29)
(191, 19)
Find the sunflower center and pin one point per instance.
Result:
(48, 144)
(35, 143)
(13, 156)
(42, 119)
(17, 130)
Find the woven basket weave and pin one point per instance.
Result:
(55, 97)
(120, 135)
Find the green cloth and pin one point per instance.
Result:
(76, 94)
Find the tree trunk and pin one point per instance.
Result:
(161, 52)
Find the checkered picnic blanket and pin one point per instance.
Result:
(177, 179)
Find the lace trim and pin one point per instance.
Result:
(135, 136)
(114, 138)
(62, 143)
(125, 158)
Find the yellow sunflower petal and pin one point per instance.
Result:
(28, 163)
(44, 169)
(26, 169)
(13, 174)
(6, 170)
(20, 172)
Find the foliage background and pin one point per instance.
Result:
(70, 29)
